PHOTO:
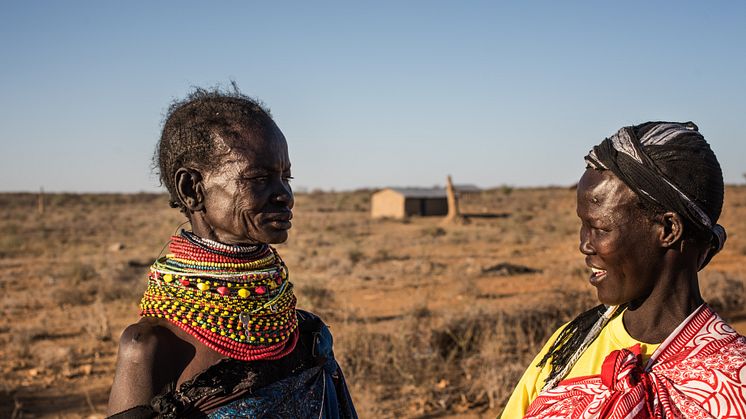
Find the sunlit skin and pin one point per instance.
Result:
(244, 198)
(636, 257)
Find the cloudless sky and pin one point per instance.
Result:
(378, 94)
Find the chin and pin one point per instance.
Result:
(278, 241)
(267, 233)
(608, 300)
(275, 237)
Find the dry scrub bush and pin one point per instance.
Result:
(355, 256)
(22, 339)
(316, 298)
(52, 357)
(384, 255)
(11, 244)
(75, 285)
(95, 322)
(723, 293)
(126, 283)
(433, 231)
(468, 361)
(81, 284)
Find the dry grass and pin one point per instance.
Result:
(724, 293)
(422, 325)
(462, 362)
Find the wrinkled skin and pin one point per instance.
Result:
(637, 258)
(244, 198)
(247, 196)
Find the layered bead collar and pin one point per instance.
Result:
(237, 300)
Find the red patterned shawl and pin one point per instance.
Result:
(699, 371)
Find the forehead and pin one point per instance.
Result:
(603, 191)
(252, 148)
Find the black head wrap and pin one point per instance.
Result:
(625, 155)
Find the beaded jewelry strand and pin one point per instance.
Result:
(236, 300)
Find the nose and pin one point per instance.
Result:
(284, 194)
(585, 246)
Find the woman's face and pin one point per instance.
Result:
(247, 194)
(618, 239)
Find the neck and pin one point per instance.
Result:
(675, 296)
(202, 228)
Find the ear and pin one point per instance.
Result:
(190, 189)
(672, 229)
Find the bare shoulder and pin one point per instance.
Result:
(140, 341)
(144, 364)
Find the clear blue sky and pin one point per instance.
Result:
(383, 94)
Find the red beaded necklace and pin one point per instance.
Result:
(236, 300)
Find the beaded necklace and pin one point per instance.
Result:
(236, 300)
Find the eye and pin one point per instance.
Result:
(599, 230)
(258, 180)
(593, 228)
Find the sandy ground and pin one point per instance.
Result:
(71, 278)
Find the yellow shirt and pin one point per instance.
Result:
(614, 336)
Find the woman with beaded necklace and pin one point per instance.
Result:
(219, 334)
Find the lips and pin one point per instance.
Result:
(280, 220)
(597, 275)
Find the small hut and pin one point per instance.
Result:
(405, 202)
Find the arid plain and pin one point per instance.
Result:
(430, 319)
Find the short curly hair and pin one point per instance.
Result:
(191, 125)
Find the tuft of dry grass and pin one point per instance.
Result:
(355, 256)
(725, 294)
(316, 298)
(454, 363)
(433, 231)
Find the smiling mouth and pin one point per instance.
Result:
(597, 275)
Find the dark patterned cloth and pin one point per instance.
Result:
(308, 383)
(319, 392)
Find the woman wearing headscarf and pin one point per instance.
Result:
(648, 203)
(219, 334)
